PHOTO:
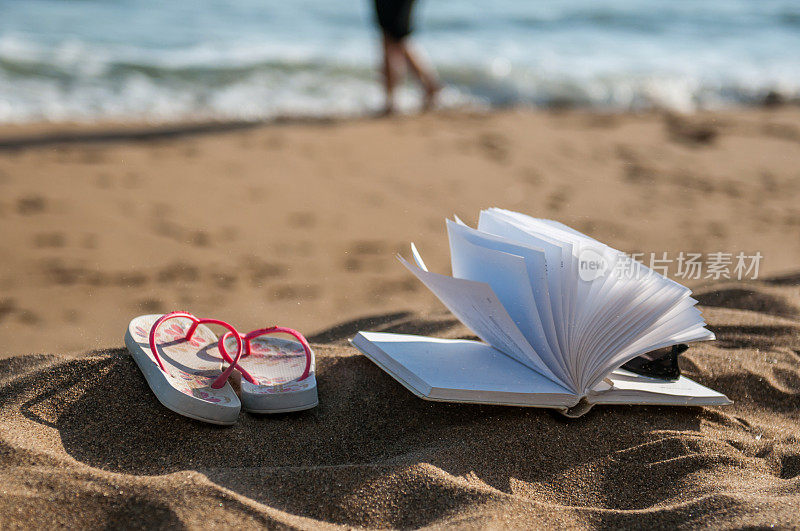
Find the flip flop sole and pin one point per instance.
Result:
(276, 364)
(280, 399)
(175, 397)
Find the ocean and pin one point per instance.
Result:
(161, 61)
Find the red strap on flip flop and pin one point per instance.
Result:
(260, 332)
(219, 382)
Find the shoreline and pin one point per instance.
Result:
(24, 135)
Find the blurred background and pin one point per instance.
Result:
(224, 156)
(255, 59)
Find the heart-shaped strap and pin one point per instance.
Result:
(218, 382)
(246, 339)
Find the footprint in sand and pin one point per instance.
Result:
(691, 132)
(301, 220)
(296, 292)
(224, 280)
(178, 272)
(637, 173)
(31, 204)
(150, 305)
(49, 240)
(103, 181)
(261, 271)
(366, 255)
(28, 317)
(530, 176)
(558, 199)
(7, 307)
(494, 146)
(389, 287)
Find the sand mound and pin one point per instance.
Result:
(84, 442)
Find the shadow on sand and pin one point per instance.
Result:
(368, 432)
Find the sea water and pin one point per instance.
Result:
(256, 59)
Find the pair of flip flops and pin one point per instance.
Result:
(188, 367)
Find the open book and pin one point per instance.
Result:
(559, 313)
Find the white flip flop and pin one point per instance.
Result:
(277, 375)
(182, 364)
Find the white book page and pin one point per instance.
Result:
(593, 316)
(586, 290)
(618, 348)
(572, 291)
(639, 269)
(698, 333)
(604, 290)
(630, 388)
(506, 275)
(534, 274)
(592, 312)
(616, 300)
(597, 331)
(459, 364)
(628, 309)
(535, 263)
(477, 306)
(582, 289)
(682, 317)
(554, 255)
(634, 319)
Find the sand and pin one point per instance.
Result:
(297, 224)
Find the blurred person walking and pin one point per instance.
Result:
(394, 19)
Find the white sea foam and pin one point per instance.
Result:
(144, 59)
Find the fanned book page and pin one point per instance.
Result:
(558, 314)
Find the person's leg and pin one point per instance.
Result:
(422, 69)
(391, 56)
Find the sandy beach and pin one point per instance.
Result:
(298, 224)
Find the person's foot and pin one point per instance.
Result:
(431, 97)
(388, 108)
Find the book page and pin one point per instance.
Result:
(681, 318)
(476, 258)
(630, 388)
(492, 223)
(699, 333)
(471, 367)
(476, 305)
(643, 315)
(570, 246)
(535, 264)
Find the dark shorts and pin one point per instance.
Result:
(394, 17)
